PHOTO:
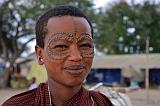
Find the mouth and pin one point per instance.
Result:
(75, 69)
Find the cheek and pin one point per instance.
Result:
(53, 66)
(88, 62)
(54, 70)
(56, 54)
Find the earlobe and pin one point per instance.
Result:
(40, 60)
(38, 51)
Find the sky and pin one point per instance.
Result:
(103, 3)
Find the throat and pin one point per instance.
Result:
(60, 95)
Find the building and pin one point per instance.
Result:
(112, 68)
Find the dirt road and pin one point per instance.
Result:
(140, 98)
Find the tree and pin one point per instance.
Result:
(124, 28)
(14, 26)
(17, 21)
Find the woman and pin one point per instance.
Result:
(65, 47)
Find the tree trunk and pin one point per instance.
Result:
(4, 78)
(5, 74)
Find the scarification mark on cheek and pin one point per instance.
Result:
(57, 55)
(88, 52)
(52, 51)
(74, 37)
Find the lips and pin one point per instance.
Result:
(75, 69)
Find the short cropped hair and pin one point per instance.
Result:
(63, 10)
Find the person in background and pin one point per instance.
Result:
(33, 84)
(64, 37)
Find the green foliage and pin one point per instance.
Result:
(126, 26)
(17, 14)
(17, 21)
(14, 26)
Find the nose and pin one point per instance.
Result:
(74, 54)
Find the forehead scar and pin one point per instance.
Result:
(75, 28)
(61, 36)
(69, 37)
(74, 25)
(86, 35)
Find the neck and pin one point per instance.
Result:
(61, 93)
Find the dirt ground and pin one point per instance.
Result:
(7, 93)
(138, 97)
(144, 98)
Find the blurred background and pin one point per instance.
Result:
(127, 46)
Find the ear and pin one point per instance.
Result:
(39, 55)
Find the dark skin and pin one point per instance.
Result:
(67, 60)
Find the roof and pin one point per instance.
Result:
(121, 61)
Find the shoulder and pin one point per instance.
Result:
(22, 99)
(26, 98)
(100, 98)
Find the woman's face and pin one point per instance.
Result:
(68, 50)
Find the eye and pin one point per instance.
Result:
(86, 45)
(61, 47)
